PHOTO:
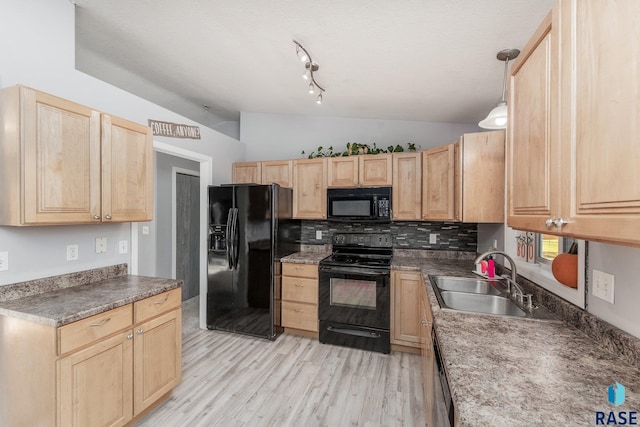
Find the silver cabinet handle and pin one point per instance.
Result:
(163, 301)
(107, 217)
(299, 268)
(560, 222)
(140, 331)
(129, 336)
(549, 222)
(299, 310)
(96, 217)
(299, 285)
(100, 323)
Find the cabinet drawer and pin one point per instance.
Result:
(300, 270)
(300, 316)
(153, 306)
(300, 290)
(86, 331)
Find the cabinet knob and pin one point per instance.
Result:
(299, 310)
(299, 285)
(96, 217)
(107, 217)
(425, 323)
(129, 336)
(140, 331)
(549, 222)
(560, 222)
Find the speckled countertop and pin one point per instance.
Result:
(62, 306)
(305, 257)
(506, 371)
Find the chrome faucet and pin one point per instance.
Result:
(511, 281)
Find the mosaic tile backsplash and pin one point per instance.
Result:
(452, 236)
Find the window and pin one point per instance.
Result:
(549, 246)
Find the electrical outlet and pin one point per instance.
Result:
(603, 285)
(318, 234)
(433, 238)
(145, 229)
(4, 261)
(101, 245)
(123, 247)
(72, 252)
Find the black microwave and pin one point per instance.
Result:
(359, 204)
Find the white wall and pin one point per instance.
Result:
(281, 136)
(37, 49)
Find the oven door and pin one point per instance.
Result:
(354, 296)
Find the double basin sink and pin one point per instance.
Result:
(480, 296)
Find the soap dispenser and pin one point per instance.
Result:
(491, 267)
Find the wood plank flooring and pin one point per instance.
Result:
(235, 380)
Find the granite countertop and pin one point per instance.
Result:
(62, 306)
(506, 371)
(305, 257)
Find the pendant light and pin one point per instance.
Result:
(497, 118)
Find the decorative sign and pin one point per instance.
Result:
(526, 246)
(174, 130)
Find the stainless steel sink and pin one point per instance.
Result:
(466, 284)
(481, 303)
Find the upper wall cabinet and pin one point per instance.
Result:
(464, 181)
(360, 171)
(247, 173)
(310, 188)
(278, 172)
(64, 163)
(407, 186)
(591, 140)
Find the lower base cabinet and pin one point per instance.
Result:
(426, 351)
(406, 288)
(300, 297)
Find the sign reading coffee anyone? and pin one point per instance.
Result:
(174, 130)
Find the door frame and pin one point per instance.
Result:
(206, 179)
(174, 172)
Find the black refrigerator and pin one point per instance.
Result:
(250, 229)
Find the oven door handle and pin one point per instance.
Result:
(354, 332)
(354, 273)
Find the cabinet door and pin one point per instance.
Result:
(127, 171)
(405, 306)
(533, 151)
(278, 172)
(343, 171)
(310, 189)
(157, 358)
(482, 175)
(438, 183)
(247, 173)
(407, 186)
(95, 384)
(375, 170)
(61, 175)
(601, 119)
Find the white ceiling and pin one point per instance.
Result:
(427, 60)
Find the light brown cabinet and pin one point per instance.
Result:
(343, 171)
(100, 371)
(246, 173)
(407, 186)
(300, 297)
(310, 188)
(406, 288)
(464, 181)
(278, 172)
(375, 170)
(65, 163)
(593, 132)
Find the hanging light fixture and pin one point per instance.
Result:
(497, 118)
(310, 68)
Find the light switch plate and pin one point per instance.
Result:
(72, 252)
(318, 234)
(603, 285)
(4, 261)
(101, 245)
(123, 247)
(145, 229)
(433, 238)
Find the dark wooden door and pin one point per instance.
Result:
(188, 234)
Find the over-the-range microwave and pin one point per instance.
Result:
(372, 204)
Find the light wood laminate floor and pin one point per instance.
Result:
(235, 380)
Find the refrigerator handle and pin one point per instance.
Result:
(228, 237)
(235, 239)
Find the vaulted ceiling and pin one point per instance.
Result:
(427, 60)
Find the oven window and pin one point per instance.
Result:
(351, 207)
(353, 293)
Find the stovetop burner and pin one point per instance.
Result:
(360, 250)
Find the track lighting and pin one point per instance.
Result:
(310, 68)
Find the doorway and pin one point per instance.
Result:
(186, 207)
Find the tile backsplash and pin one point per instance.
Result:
(451, 236)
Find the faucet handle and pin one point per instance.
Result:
(527, 301)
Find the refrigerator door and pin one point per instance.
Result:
(253, 257)
(219, 273)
